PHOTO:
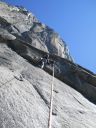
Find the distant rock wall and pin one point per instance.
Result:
(19, 21)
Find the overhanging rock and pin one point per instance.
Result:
(73, 74)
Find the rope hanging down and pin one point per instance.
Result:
(51, 102)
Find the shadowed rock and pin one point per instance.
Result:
(5, 35)
(25, 89)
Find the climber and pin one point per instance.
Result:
(45, 61)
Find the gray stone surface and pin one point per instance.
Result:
(25, 88)
(25, 103)
(25, 24)
(6, 35)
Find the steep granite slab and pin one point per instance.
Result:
(25, 102)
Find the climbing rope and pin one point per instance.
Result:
(51, 102)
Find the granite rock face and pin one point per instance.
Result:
(18, 21)
(25, 95)
(25, 89)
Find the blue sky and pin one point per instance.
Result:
(74, 20)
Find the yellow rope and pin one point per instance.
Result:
(51, 102)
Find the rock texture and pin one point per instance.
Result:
(25, 94)
(20, 22)
(25, 88)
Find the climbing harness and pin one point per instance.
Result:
(51, 102)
